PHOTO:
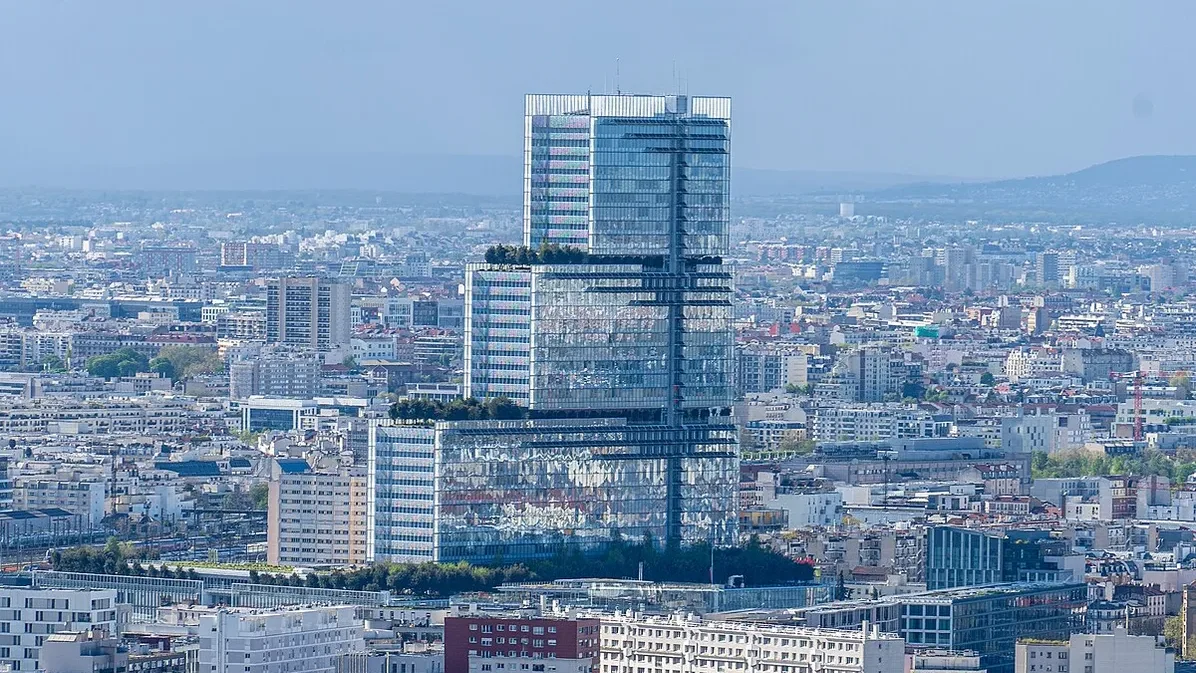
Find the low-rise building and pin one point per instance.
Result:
(513, 643)
(631, 642)
(1095, 653)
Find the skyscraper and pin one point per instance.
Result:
(619, 308)
(612, 326)
(309, 312)
(642, 320)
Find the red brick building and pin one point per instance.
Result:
(517, 644)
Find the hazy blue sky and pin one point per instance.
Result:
(949, 88)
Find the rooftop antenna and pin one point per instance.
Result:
(617, 89)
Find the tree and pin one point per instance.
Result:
(1173, 632)
(796, 446)
(53, 363)
(350, 363)
(987, 379)
(1182, 384)
(189, 361)
(260, 495)
(468, 409)
(121, 362)
(163, 367)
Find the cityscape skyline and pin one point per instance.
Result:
(620, 405)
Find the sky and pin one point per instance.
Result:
(966, 89)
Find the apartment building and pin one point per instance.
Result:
(513, 643)
(285, 640)
(29, 616)
(309, 312)
(877, 422)
(146, 416)
(276, 372)
(633, 642)
(317, 518)
(85, 498)
(1094, 653)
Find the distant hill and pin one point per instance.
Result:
(1138, 189)
(1151, 189)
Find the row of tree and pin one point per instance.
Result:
(116, 558)
(1082, 463)
(468, 409)
(548, 253)
(757, 564)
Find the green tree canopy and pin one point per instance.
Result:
(121, 362)
(469, 409)
(188, 361)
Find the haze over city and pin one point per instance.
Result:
(620, 337)
(113, 94)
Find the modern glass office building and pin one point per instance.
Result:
(643, 320)
(988, 620)
(962, 557)
(621, 344)
(400, 492)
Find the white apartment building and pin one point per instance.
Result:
(316, 518)
(632, 643)
(140, 416)
(876, 422)
(373, 347)
(29, 615)
(807, 510)
(78, 497)
(1116, 652)
(1156, 411)
(300, 640)
(276, 372)
(764, 368)
(1029, 363)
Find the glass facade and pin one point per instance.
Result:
(660, 186)
(956, 557)
(400, 491)
(959, 557)
(557, 179)
(628, 174)
(989, 621)
(498, 329)
(522, 489)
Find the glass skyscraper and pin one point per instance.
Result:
(613, 327)
(642, 322)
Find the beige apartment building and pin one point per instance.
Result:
(317, 518)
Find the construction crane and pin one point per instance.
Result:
(1139, 376)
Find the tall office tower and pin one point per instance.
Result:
(621, 310)
(640, 318)
(309, 312)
